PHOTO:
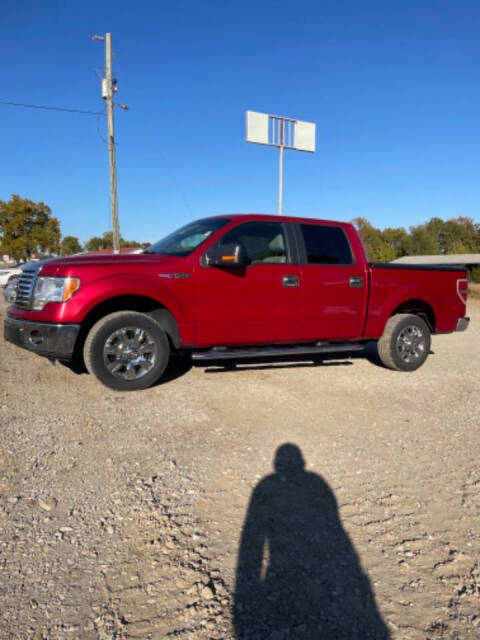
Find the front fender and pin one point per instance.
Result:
(174, 294)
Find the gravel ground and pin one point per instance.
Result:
(345, 496)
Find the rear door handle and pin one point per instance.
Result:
(290, 281)
(356, 282)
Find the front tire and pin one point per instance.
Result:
(126, 351)
(405, 343)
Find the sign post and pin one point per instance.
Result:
(283, 133)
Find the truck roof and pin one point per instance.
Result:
(277, 218)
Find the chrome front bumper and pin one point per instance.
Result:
(51, 340)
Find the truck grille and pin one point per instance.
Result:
(25, 287)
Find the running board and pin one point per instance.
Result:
(267, 352)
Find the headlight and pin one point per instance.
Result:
(53, 290)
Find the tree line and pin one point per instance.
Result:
(28, 228)
(435, 237)
(70, 244)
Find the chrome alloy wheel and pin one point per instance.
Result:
(411, 344)
(130, 353)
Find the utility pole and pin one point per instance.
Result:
(108, 89)
(111, 143)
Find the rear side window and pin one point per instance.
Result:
(326, 245)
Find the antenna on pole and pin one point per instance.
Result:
(283, 133)
(109, 87)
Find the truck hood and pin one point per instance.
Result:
(122, 260)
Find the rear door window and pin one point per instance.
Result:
(326, 245)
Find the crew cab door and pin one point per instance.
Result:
(258, 303)
(334, 286)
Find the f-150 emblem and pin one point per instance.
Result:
(177, 276)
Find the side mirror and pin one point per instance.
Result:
(226, 255)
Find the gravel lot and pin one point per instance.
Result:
(126, 515)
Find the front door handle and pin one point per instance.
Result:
(356, 283)
(290, 281)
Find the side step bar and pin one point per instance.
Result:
(268, 352)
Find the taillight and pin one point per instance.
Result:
(462, 289)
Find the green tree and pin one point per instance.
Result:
(28, 227)
(106, 242)
(377, 247)
(130, 243)
(398, 239)
(423, 241)
(461, 236)
(435, 230)
(70, 245)
(96, 243)
(458, 235)
(474, 275)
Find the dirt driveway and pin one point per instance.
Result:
(348, 495)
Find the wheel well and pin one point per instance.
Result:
(129, 303)
(418, 308)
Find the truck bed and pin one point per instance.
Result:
(406, 288)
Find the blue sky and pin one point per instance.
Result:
(393, 86)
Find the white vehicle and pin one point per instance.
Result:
(10, 289)
(6, 272)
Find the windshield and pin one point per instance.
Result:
(182, 242)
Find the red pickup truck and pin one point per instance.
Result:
(233, 286)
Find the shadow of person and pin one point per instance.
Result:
(298, 575)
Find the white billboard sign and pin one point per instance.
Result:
(304, 137)
(279, 131)
(257, 127)
(283, 133)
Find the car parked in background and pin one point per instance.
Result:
(7, 272)
(10, 289)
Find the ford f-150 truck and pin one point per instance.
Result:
(233, 286)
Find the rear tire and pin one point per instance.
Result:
(405, 343)
(126, 351)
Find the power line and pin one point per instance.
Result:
(103, 113)
(39, 106)
(175, 182)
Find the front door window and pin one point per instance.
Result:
(264, 242)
